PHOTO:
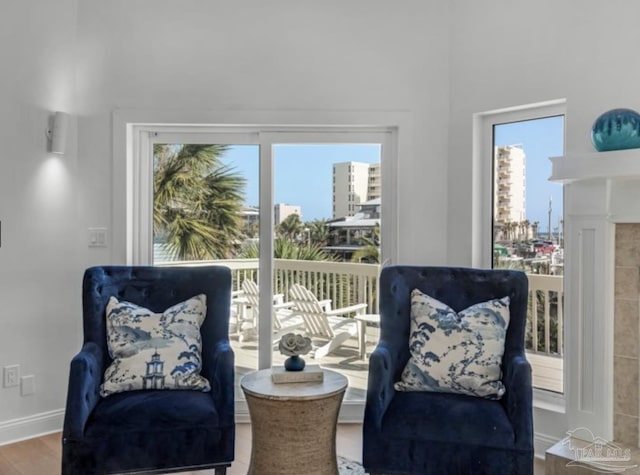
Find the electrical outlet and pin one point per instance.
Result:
(27, 385)
(11, 376)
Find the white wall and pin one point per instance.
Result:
(39, 259)
(192, 55)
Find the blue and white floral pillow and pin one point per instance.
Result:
(456, 352)
(154, 350)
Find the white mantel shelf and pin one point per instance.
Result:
(617, 164)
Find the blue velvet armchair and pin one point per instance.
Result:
(444, 433)
(151, 431)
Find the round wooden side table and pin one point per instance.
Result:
(293, 425)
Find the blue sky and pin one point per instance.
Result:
(303, 173)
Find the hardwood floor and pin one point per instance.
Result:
(31, 457)
(41, 455)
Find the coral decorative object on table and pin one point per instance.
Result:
(293, 346)
(617, 129)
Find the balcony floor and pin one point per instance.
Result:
(547, 370)
(345, 359)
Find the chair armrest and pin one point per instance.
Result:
(83, 392)
(380, 390)
(220, 373)
(325, 304)
(283, 305)
(239, 300)
(518, 398)
(351, 308)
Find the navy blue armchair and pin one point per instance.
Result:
(154, 431)
(443, 433)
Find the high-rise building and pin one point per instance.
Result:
(509, 185)
(354, 183)
(282, 210)
(375, 182)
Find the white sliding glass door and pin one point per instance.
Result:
(279, 207)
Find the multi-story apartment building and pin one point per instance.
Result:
(282, 210)
(354, 183)
(375, 182)
(509, 185)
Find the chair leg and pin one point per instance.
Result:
(221, 470)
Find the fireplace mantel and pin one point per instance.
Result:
(620, 164)
(605, 184)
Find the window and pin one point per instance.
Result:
(521, 222)
(527, 232)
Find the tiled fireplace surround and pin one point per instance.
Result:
(626, 333)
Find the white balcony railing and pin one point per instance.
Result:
(347, 283)
(545, 314)
(342, 282)
(544, 331)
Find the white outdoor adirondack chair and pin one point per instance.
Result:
(322, 323)
(284, 321)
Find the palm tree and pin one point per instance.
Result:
(534, 229)
(526, 226)
(521, 229)
(370, 252)
(508, 229)
(290, 227)
(319, 231)
(196, 201)
(504, 230)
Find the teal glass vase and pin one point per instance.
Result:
(617, 129)
(294, 363)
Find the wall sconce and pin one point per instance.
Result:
(57, 133)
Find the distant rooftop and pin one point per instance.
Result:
(354, 222)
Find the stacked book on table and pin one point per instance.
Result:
(310, 374)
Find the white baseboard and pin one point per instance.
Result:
(542, 443)
(351, 412)
(15, 430)
(242, 412)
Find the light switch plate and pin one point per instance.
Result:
(97, 237)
